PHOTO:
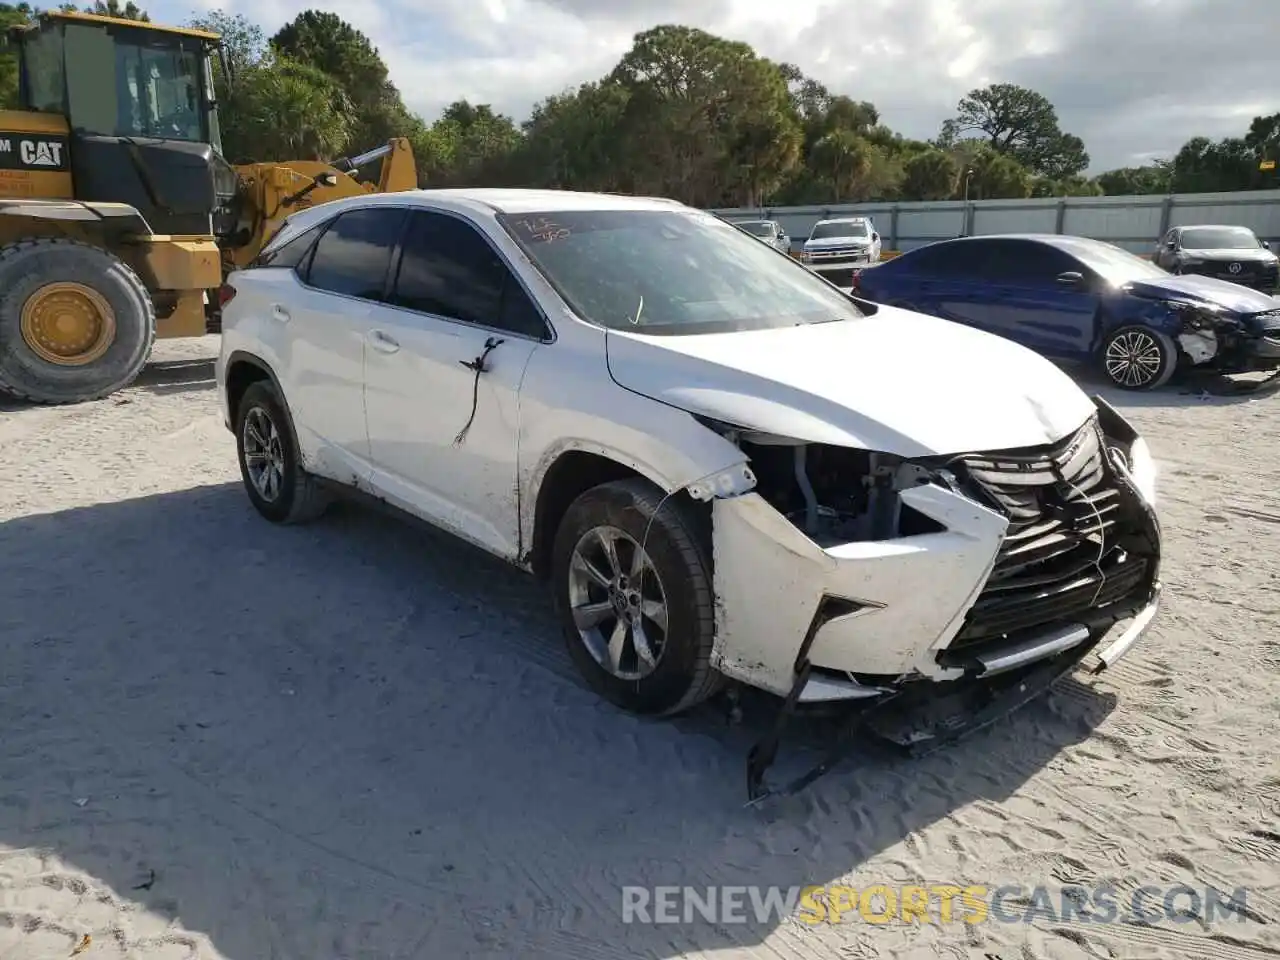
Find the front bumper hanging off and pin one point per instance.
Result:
(1004, 656)
(887, 721)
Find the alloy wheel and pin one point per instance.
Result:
(1134, 359)
(263, 454)
(618, 603)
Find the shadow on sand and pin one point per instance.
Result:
(177, 376)
(359, 738)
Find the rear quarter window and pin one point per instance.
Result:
(291, 253)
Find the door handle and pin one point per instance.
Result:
(382, 343)
(279, 313)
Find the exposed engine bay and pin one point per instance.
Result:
(836, 494)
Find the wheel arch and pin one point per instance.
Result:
(244, 369)
(574, 471)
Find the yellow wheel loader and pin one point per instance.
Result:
(119, 216)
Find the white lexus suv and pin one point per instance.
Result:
(725, 467)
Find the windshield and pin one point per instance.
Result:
(825, 231)
(159, 92)
(1112, 263)
(1220, 238)
(757, 228)
(671, 272)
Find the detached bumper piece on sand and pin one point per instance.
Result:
(1081, 555)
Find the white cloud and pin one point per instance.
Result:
(1134, 80)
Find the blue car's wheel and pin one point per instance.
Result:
(1139, 358)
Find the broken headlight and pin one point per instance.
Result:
(1199, 317)
(834, 494)
(1127, 450)
(1142, 469)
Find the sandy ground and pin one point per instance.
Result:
(360, 739)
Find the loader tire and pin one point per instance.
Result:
(76, 323)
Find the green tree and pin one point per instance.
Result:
(243, 42)
(11, 15)
(1130, 181)
(930, 175)
(111, 8)
(692, 99)
(844, 158)
(1205, 166)
(995, 176)
(329, 44)
(1076, 186)
(284, 110)
(1020, 124)
(481, 142)
(574, 140)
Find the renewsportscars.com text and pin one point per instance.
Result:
(937, 903)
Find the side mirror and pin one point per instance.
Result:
(1266, 245)
(1071, 278)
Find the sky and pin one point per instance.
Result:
(1134, 79)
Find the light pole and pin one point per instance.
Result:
(968, 174)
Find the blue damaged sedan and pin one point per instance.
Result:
(1078, 300)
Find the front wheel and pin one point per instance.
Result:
(1139, 358)
(633, 589)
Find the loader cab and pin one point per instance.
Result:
(138, 102)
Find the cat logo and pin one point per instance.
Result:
(35, 154)
(40, 153)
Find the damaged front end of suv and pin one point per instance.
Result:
(895, 584)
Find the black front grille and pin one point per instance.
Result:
(1251, 274)
(1060, 557)
(838, 253)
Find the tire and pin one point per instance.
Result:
(636, 511)
(1131, 343)
(29, 266)
(296, 496)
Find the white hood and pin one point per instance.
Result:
(826, 242)
(897, 382)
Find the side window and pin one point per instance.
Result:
(1024, 261)
(958, 259)
(448, 269)
(353, 255)
(289, 255)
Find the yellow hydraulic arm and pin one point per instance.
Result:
(270, 192)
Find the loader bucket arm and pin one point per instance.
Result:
(270, 192)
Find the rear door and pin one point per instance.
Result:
(328, 314)
(942, 279)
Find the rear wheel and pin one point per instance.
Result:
(1139, 358)
(270, 464)
(76, 323)
(633, 589)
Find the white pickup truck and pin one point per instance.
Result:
(839, 246)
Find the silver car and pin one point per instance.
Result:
(770, 231)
